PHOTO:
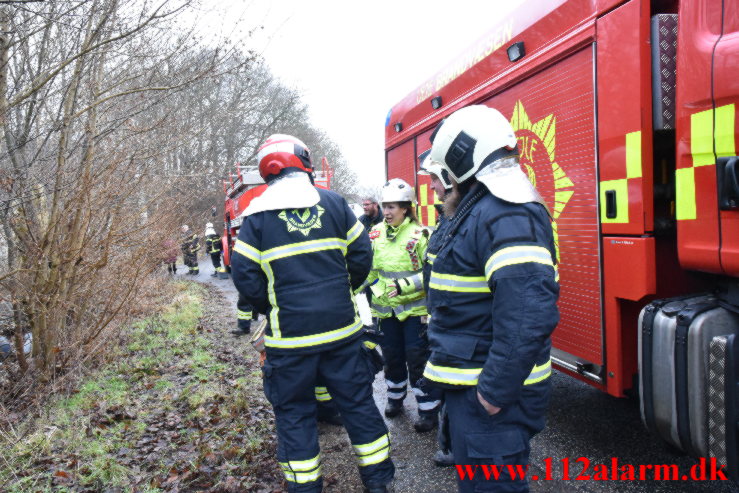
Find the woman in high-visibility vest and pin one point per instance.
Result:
(399, 246)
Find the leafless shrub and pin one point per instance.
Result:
(118, 122)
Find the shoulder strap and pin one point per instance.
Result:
(410, 247)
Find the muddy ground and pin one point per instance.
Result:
(584, 424)
(412, 452)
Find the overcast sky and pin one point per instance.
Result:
(353, 61)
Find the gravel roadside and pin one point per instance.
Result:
(582, 422)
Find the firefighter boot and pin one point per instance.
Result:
(330, 418)
(385, 488)
(243, 328)
(426, 422)
(377, 489)
(393, 408)
(443, 458)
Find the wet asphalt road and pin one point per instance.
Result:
(583, 422)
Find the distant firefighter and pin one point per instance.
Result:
(190, 246)
(213, 247)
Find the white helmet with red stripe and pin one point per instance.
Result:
(280, 152)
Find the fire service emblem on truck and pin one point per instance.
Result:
(537, 146)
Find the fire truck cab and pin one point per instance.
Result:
(625, 113)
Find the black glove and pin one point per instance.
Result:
(370, 342)
(372, 334)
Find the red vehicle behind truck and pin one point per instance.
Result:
(625, 113)
(245, 185)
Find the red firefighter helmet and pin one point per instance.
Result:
(281, 151)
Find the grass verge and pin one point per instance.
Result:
(169, 413)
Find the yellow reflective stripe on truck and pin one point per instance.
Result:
(621, 186)
(702, 145)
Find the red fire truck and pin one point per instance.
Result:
(625, 113)
(245, 185)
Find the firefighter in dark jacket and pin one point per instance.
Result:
(493, 295)
(190, 246)
(300, 254)
(441, 184)
(213, 247)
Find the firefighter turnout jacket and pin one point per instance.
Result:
(420, 280)
(493, 289)
(213, 244)
(190, 244)
(398, 254)
(435, 241)
(284, 275)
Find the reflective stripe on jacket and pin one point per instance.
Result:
(190, 244)
(299, 267)
(213, 244)
(416, 282)
(435, 242)
(398, 253)
(492, 298)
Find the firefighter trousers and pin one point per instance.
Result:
(500, 440)
(191, 261)
(347, 373)
(326, 405)
(216, 259)
(244, 314)
(405, 348)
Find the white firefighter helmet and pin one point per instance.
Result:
(431, 167)
(185, 228)
(208, 225)
(478, 141)
(397, 190)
